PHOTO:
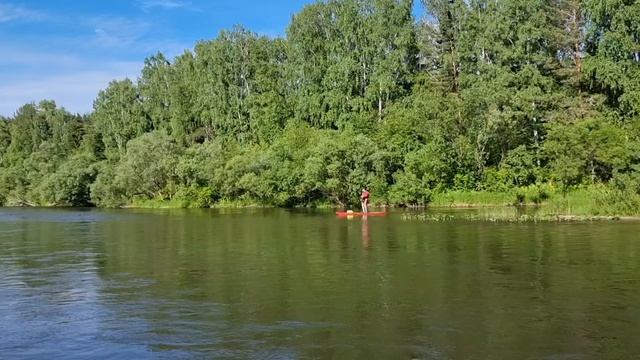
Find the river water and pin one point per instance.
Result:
(278, 284)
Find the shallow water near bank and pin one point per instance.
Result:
(289, 284)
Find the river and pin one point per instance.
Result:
(293, 284)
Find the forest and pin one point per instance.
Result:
(488, 96)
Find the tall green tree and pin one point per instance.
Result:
(155, 91)
(613, 49)
(5, 137)
(119, 117)
(186, 124)
(349, 60)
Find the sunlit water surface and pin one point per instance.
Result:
(277, 284)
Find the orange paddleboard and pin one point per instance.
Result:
(345, 214)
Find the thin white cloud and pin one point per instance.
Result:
(10, 12)
(72, 69)
(17, 56)
(74, 91)
(164, 4)
(118, 31)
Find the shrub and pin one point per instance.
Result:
(196, 197)
(539, 196)
(409, 190)
(70, 184)
(620, 197)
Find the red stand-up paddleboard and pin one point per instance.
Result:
(346, 214)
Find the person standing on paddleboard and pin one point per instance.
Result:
(364, 200)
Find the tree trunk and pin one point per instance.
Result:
(380, 104)
(577, 59)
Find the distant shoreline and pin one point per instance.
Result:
(491, 212)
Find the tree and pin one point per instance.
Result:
(155, 91)
(590, 150)
(441, 34)
(186, 125)
(349, 60)
(149, 167)
(612, 64)
(70, 184)
(5, 137)
(118, 116)
(308, 48)
(396, 53)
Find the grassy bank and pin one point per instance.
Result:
(509, 214)
(178, 203)
(580, 201)
(221, 204)
(514, 217)
(542, 202)
(590, 202)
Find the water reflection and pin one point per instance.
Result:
(278, 284)
(366, 241)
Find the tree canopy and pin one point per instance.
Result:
(475, 95)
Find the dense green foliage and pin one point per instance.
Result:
(479, 95)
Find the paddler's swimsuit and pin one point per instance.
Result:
(365, 201)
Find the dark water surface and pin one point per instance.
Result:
(276, 284)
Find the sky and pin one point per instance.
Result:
(68, 50)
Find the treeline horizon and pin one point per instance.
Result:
(479, 95)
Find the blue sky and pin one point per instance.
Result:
(67, 50)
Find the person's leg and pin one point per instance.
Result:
(366, 205)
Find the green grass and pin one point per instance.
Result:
(510, 217)
(549, 202)
(579, 202)
(525, 196)
(157, 204)
(586, 202)
(472, 199)
(524, 205)
(177, 203)
(237, 204)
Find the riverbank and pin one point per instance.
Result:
(589, 201)
(537, 203)
(579, 199)
(512, 215)
(222, 204)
